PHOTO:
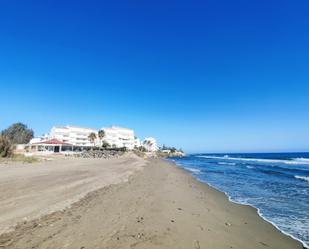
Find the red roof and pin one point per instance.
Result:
(53, 141)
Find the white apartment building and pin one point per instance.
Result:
(39, 139)
(75, 135)
(137, 142)
(150, 144)
(119, 137)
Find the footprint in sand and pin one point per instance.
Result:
(197, 244)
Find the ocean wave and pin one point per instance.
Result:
(303, 178)
(300, 160)
(193, 170)
(246, 202)
(222, 178)
(292, 161)
(213, 171)
(223, 163)
(305, 245)
(273, 172)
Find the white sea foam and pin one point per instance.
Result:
(284, 228)
(305, 245)
(249, 167)
(223, 163)
(246, 203)
(293, 161)
(298, 161)
(301, 159)
(193, 170)
(304, 178)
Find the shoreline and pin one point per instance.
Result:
(160, 206)
(257, 210)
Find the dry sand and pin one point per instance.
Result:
(159, 207)
(31, 190)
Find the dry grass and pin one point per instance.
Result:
(24, 159)
(139, 153)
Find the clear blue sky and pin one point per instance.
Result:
(212, 76)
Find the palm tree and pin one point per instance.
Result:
(101, 134)
(92, 136)
(147, 144)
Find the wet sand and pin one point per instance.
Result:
(160, 206)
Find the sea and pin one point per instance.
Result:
(276, 184)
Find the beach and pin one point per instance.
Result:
(28, 191)
(126, 202)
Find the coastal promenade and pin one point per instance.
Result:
(144, 203)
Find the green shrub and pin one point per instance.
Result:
(18, 133)
(123, 149)
(139, 153)
(140, 148)
(24, 159)
(5, 147)
(106, 145)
